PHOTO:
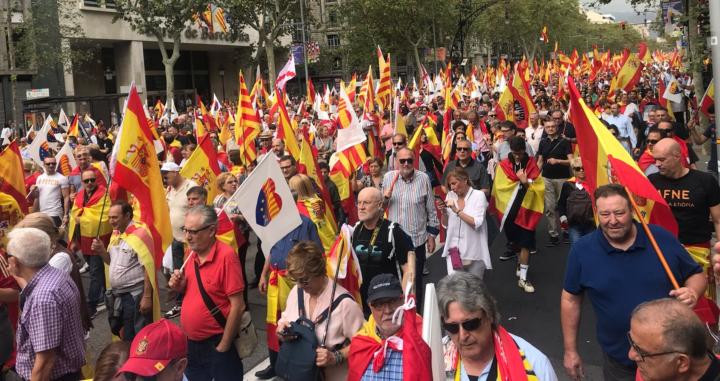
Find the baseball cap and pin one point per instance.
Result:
(384, 286)
(169, 166)
(154, 347)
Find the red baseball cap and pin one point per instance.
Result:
(154, 347)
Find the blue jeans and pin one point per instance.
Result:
(575, 232)
(206, 364)
(96, 290)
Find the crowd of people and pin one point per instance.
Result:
(408, 201)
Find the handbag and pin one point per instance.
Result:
(454, 252)
(246, 339)
(296, 359)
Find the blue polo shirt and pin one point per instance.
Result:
(618, 280)
(306, 231)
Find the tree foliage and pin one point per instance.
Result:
(164, 20)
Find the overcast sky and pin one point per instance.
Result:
(623, 11)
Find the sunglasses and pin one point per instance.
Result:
(89, 181)
(398, 143)
(491, 115)
(196, 231)
(652, 141)
(578, 169)
(469, 325)
(53, 163)
(405, 161)
(463, 149)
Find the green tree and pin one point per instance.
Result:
(164, 20)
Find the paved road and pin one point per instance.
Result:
(535, 317)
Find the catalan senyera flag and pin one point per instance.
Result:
(65, 159)
(385, 86)
(708, 99)
(285, 130)
(505, 191)
(342, 165)
(202, 167)
(12, 182)
(629, 74)
(136, 169)
(322, 216)
(247, 124)
(91, 218)
(140, 240)
(349, 274)
(606, 161)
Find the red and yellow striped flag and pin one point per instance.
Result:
(385, 86)
(247, 124)
(285, 129)
(136, 169)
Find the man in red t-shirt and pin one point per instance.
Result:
(215, 267)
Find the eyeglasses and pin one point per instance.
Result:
(405, 161)
(398, 144)
(578, 169)
(491, 115)
(53, 163)
(463, 149)
(469, 325)
(644, 354)
(652, 141)
(89, 181)
(382, 304)
(196, 231)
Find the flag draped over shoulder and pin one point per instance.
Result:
(12, 182)
(90, 217)
(606, 161)
(506, 189)
(202, 167)
(349, 275)
(139, 239)
(135, 168)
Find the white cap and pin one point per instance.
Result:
(170, 166)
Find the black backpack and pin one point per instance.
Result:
(579, 209)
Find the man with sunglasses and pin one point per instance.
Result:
(409, 199)
(479, 177)
(215, 267)
(53, 193)
(669, 342)
(399, 141)
(646, 161)
(483, 348)
(618, 269)
(159, 352)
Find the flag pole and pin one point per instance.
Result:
(654, 244)
(102, 210)
(332, 296)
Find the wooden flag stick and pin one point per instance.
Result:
(654, 244)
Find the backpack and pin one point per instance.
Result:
(579, 209)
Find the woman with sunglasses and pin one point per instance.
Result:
(334, 327)
(480, 345)
(575, 205)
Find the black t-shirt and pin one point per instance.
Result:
(690, 198)
(559, 148)
(374, 255)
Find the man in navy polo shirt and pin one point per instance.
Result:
(617, 267)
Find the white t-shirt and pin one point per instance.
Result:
(49, 193)
(61, 261)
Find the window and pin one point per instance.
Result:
(332, 18)
(333, 40)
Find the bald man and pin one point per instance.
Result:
(377, 253)
(693, 196)
(669, 342)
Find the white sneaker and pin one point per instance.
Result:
(84, 269)
(526, 286)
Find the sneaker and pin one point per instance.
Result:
(553, 241)
(526, 286)
(426, 270)
(508, 255)
(173, 313)
(84, 269)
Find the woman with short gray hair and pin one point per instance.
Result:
(480, 345)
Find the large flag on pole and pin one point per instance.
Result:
(628, 75)
(202, 167)
(385, 87)
(135, 168)
(11, 175)
(39, 149)
(606, 161)
(287, 73)
(265, 200)
(247, 124)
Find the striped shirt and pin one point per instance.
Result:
(50, 319)
(412, 206)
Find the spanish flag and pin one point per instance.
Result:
(10, 213)
(322, 216)
(91, 218)
(202, 167)
(228, 233)
(606, 161)
(74, 129)
(521, 93)
(12, 182)
(278, 289)
(708, 99)
(628, 75)
(505, 105)
(506, 189)
(139, 239)
(285, 130)
(349, 274)
(137, 170)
